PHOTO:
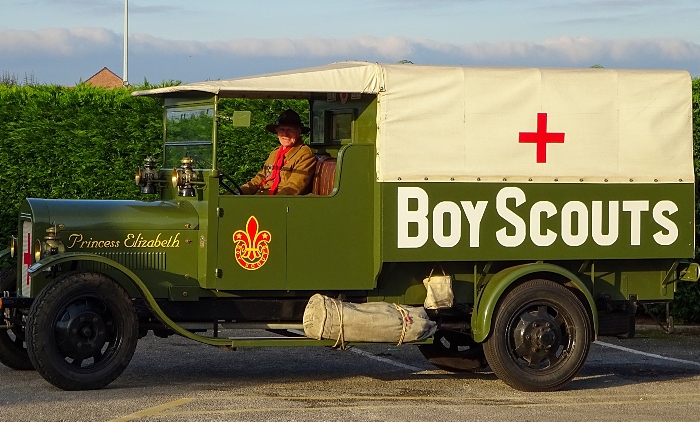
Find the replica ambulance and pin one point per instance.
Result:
(527, 210)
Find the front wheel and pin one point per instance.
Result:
(540, 338)
(81, 331)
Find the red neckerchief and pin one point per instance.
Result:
(275, 175)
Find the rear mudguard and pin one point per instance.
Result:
(487, 297)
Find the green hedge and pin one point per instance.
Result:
(85, 142)
(81, 142)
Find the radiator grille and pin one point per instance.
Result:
(138, 260)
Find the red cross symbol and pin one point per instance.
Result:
(541, 137)
(27, 255)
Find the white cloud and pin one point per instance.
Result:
(159, 58)
(56, 41)
(568, 49)
(390, 48)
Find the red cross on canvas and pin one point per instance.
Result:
(541, 137)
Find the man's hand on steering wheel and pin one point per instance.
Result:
(228, 178)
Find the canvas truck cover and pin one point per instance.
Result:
(442, 123)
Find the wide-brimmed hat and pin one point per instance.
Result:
(287, 118)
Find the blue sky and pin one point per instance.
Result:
(64, 41)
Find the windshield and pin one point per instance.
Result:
(188, 133)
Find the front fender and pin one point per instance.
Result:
(487, 299)
(138, 283)
(52, 260)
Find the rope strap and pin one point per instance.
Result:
(433, 269)
(405, 320)
(341, 335)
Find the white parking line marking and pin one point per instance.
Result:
(372, 356)
(385, 360)
(651, 355)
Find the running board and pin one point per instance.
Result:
(240, 326)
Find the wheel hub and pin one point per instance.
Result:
(82, 332)
(88, 332)
(537, 337)
(543, 336)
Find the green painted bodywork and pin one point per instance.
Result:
(157, 240)
(181, 249)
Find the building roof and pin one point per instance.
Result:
(105, 78)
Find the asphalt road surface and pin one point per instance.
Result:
(653, 377)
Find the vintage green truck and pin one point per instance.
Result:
(556, 200)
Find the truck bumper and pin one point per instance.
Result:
(10, 302)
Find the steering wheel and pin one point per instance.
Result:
(228, 178)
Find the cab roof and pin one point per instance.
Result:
(346, 77)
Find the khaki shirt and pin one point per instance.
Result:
(295, 175)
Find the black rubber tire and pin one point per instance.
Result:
(13, 351)
(82, 331)
(455, 352)
(540, 338)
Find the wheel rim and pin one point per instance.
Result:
(542, 337)
(86, 334)
(16, 336)
(453, 342)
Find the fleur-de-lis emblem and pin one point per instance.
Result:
(251, 249)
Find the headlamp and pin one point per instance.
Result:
(147, 176)
(51, 245)
(13, 246)
(185, 178)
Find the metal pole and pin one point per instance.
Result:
(125, 78)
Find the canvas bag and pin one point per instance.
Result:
(438, 288)
(328, 318)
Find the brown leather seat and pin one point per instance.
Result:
(324, 177)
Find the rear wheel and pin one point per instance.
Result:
(82, 331)
(454, 351)
(13, 350)
(540, 338)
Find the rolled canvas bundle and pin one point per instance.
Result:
(380, 322)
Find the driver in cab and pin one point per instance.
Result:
(290, 167)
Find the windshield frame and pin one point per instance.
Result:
(190, 104)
